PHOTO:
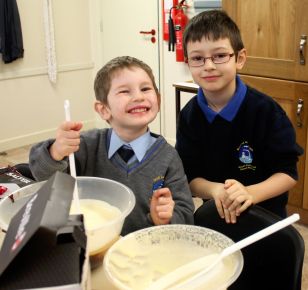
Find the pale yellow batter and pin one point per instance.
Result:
(137, 265)
(96, 212)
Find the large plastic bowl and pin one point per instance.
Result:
(100, 238)
(140, 258)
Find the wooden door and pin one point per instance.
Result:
(288, 94)
(121, 24)
(271, 32)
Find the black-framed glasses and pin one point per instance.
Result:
(218, 58)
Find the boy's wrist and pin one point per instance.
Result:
(54, 155)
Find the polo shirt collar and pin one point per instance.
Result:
(230, 110)
(139, 145)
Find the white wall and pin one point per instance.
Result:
(172, 72)
(31, 106)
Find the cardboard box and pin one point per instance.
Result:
(44, 247)
(11, 180)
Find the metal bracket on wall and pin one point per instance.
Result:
(300, 104)
(301, 49)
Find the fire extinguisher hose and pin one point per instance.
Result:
(171, 29)
(172, 39)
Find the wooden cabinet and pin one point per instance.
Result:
(277, 65)
(272, 32)
(293, 97)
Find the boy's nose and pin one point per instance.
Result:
(209, 64)
(138, 95)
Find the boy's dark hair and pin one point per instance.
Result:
(104, 76)
(213, 25)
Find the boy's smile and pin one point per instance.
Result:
(138, 110)
(216, 79)
(210, 78)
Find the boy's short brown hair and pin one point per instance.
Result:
(105, 75)
(213, 25)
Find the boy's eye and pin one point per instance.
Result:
(124, 92)
(197, 58)
(220, 56)
(146, 89)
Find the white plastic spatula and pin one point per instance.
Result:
(72, 160)
(198, 270)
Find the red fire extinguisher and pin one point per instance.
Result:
(180, 22)
(167, 7)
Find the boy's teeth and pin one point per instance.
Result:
(139, 110)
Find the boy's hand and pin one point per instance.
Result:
(230, 216)
(238, 198)
(162, 206)
(67, 140)
(220, 195)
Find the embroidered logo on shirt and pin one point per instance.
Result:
(158, 182)
(245, 155)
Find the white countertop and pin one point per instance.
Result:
(186, 85)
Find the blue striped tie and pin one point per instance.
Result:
(126, 153)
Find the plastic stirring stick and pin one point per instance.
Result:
(189, 270)
(72, 159)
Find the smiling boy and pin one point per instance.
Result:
(237, 144)
(128, 99)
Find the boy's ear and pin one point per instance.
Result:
(103, 110)
(241, 58)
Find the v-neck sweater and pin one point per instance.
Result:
(160, 165)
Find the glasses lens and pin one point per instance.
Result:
(216, 58)
(220, 58)
(196, 61)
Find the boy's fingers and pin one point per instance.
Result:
(230, 216)
(162, 192)
(70, 125)
(220, 209)
(227, 215)
(233, 216)
(244, 206)
(227, 202)
(78, 126)
(233, 202)
(229, 182)
(165, 215)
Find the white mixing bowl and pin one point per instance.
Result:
(142, 257)
(100, 238)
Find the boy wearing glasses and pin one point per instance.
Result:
(237, 144)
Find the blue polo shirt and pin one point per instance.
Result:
(139, 145)
(230, 110)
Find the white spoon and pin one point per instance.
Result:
(72, 160)
(194, 273)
